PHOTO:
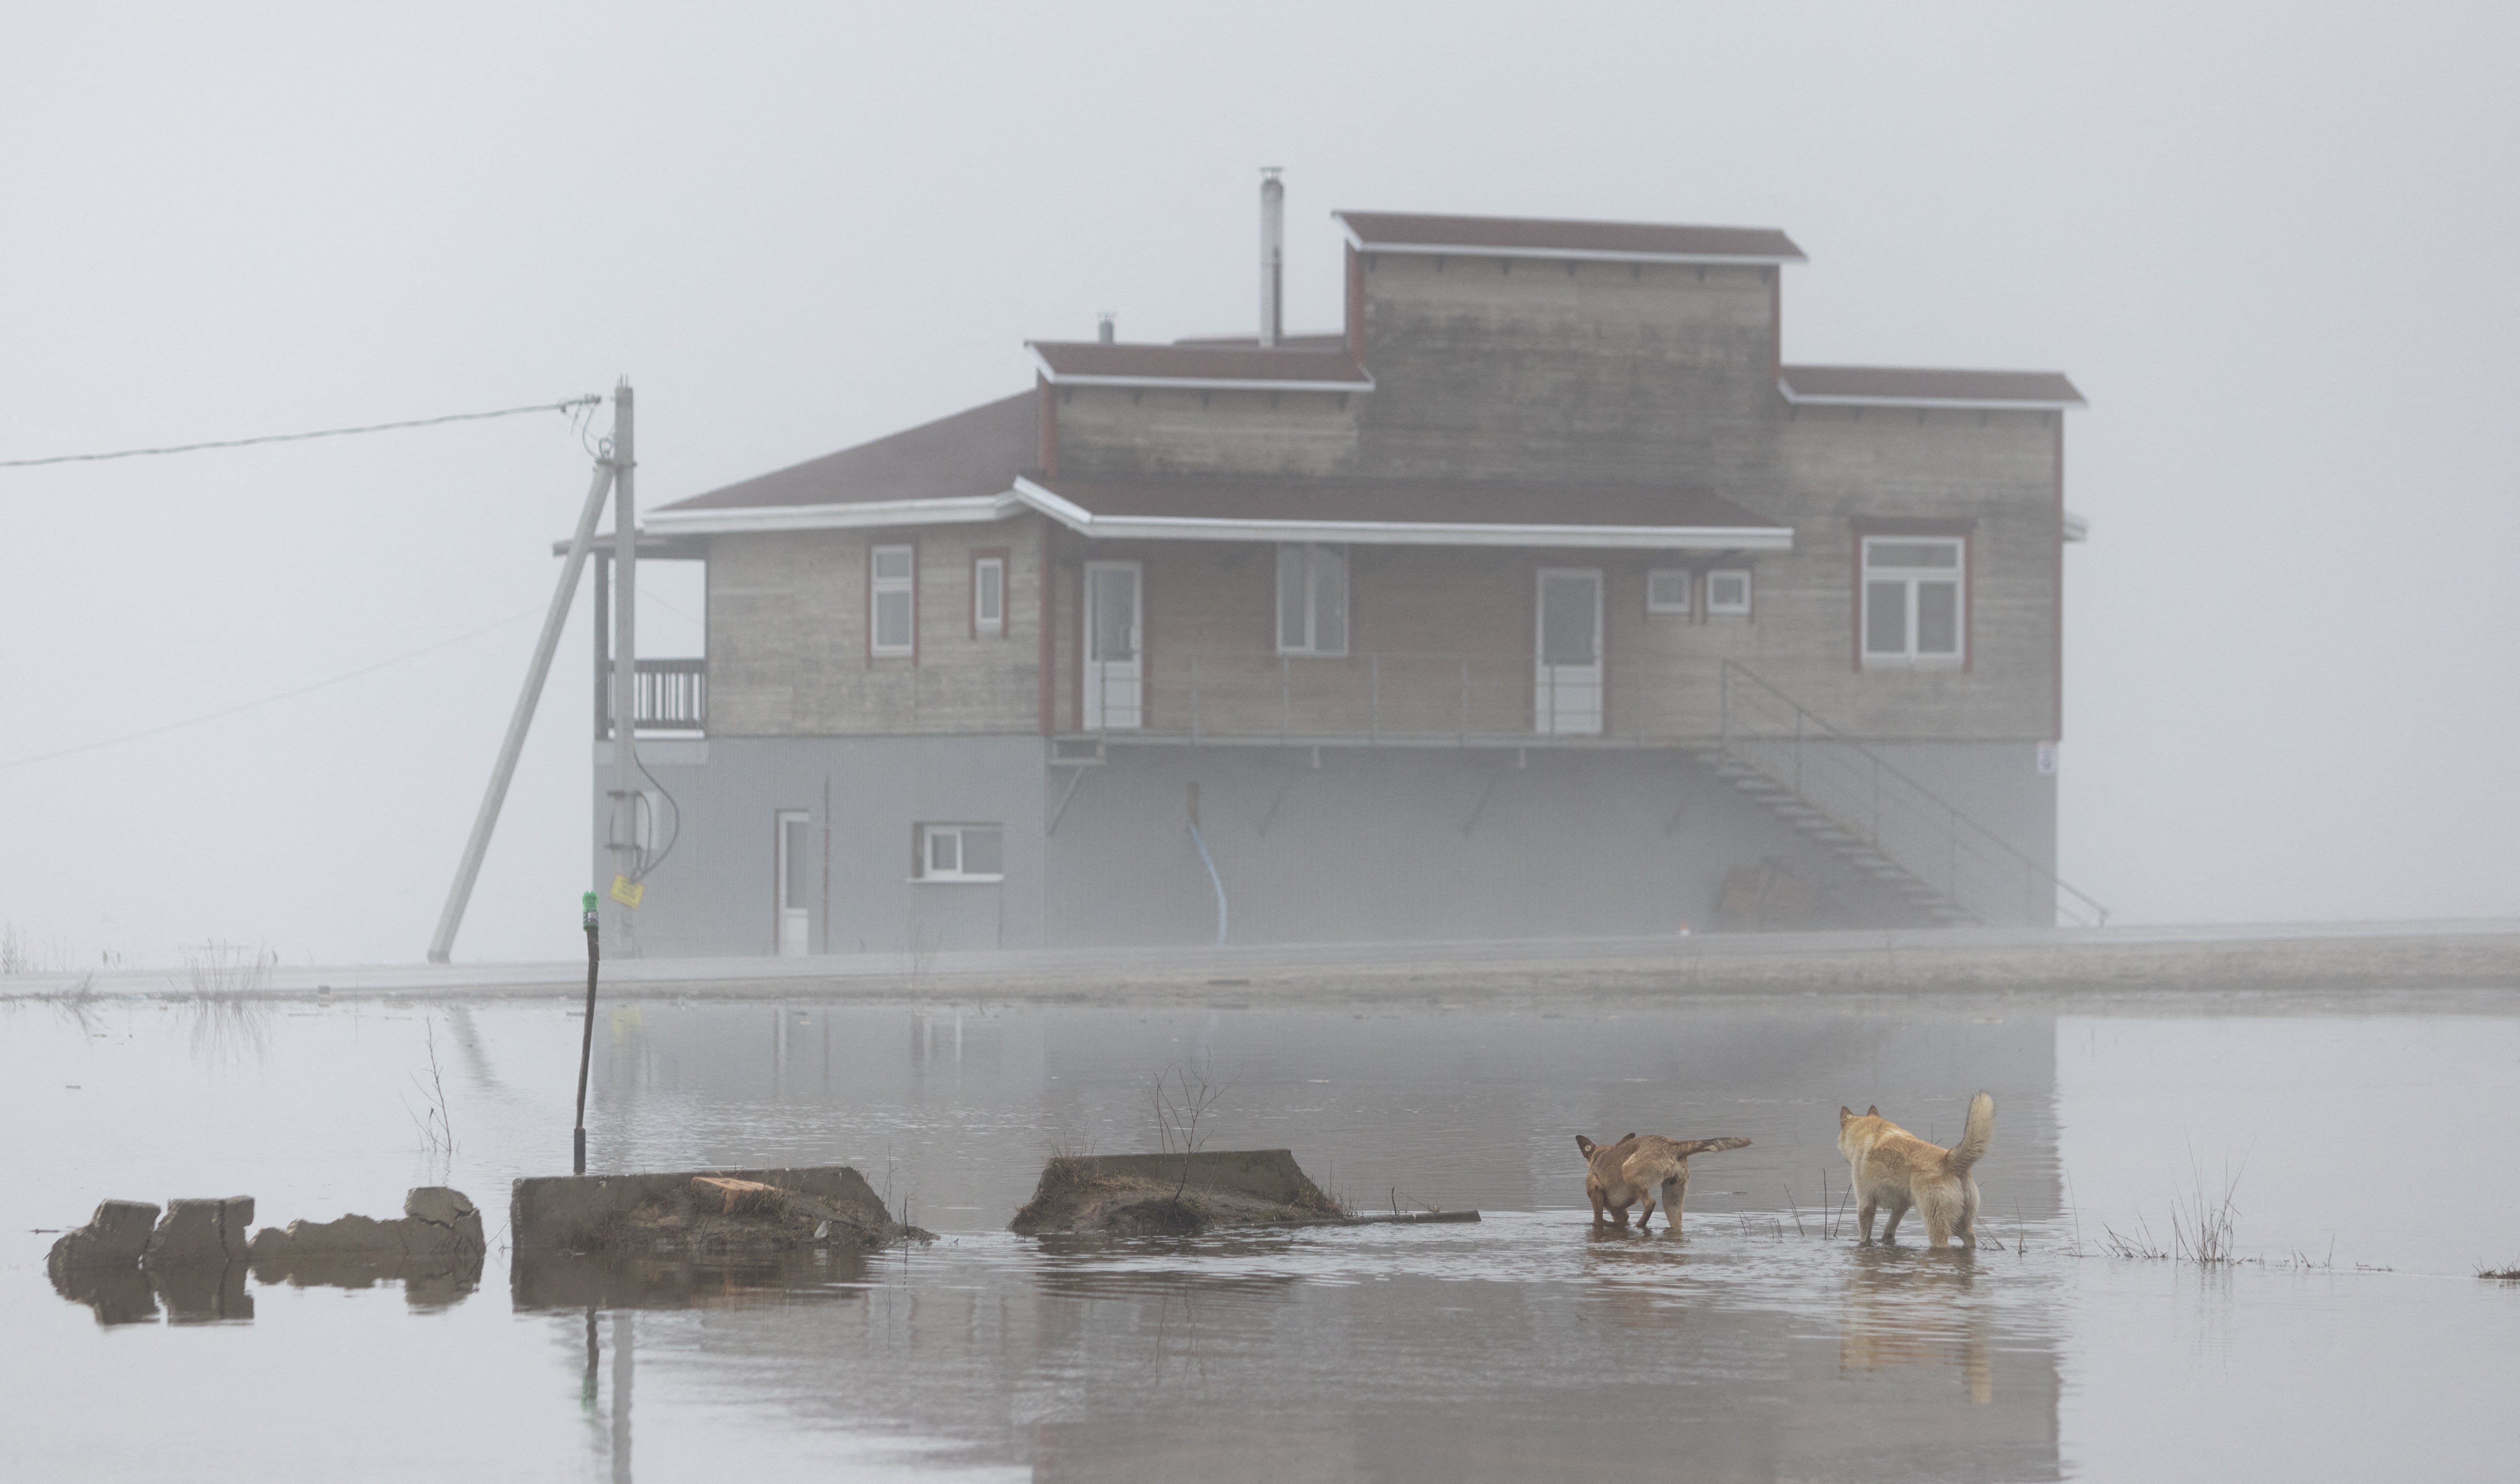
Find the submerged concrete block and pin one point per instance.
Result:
(587, 1213)
(441, 1222)
(1172, 1195)
(216, 1231)
(114, 1237)
(436, 1222)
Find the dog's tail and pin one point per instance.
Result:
(1688, 1146)
(1975, 1136)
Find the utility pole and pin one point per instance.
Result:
(625, 663)
(486, 820)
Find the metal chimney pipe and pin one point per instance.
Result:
(1107, 331)
(1273, 255)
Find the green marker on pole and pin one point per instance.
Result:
(586, 1042)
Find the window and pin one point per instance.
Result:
(1312, 600)
(1912, 600)
(960, 853)
(1667, 591)
(892, 597)
(989, 596)
(1728, 591)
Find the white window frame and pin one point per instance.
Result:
(879, 587)
(1688, 590)
(1871, 572)
(923, 840)
(1741, 610)
(984, 622)
(1317, 560)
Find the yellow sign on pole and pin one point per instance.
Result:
(627, 892)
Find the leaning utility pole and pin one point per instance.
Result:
(518, 722)
(625, 663)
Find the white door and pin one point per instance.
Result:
(1566, 692)
(794, 884)
(1114, 647)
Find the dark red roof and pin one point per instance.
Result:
(1435, 502)
(975, 452)
(1893, 383)
(1542, 237)
(1093, 360)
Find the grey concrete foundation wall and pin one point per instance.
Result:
(1397, 845)
(712, 895)
(1369, 845)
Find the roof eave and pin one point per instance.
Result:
(1357, 239)
(1055, 378)
(837, 516)
(1963, 404)
(1710, 538)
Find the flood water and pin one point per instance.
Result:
(2359, 1152)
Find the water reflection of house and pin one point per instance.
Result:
(1710, 1357)
(1538, 599)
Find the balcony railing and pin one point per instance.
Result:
(667, 696)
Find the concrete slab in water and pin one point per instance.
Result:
(686, 1210)
(1174, 1194)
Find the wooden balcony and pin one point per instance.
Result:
(670, 696)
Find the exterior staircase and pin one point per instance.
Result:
(1885, 826)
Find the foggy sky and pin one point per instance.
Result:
(2273, 245)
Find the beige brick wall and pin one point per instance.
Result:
(787, 636)
(1115, 430)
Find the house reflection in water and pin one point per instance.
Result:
(1761, 1344)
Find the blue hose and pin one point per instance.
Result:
(1213, 878)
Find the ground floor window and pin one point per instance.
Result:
(1914, 593)
(1667, 590)
(960, 853)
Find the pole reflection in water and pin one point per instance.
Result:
(623, 1352)
(616, 1443)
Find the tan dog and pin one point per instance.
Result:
(1887, 1164)
(1619, 1174)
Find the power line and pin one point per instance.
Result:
(207, 716)
(570, 405)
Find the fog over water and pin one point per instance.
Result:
(2271, 244)
(2352, 1342)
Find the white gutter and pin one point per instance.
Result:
(1199, 383)
(736, 520)
(1660, 538)
(1956, 404)
(1567, 254)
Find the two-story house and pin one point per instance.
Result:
(1542, 599)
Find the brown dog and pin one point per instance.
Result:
(1887, 1164)
(1618, 1175)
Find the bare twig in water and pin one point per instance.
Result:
(437, 1134)
(1797, 1210)
(1180, 1105)
(2510, 1274)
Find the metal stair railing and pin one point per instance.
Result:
(1866, 799)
